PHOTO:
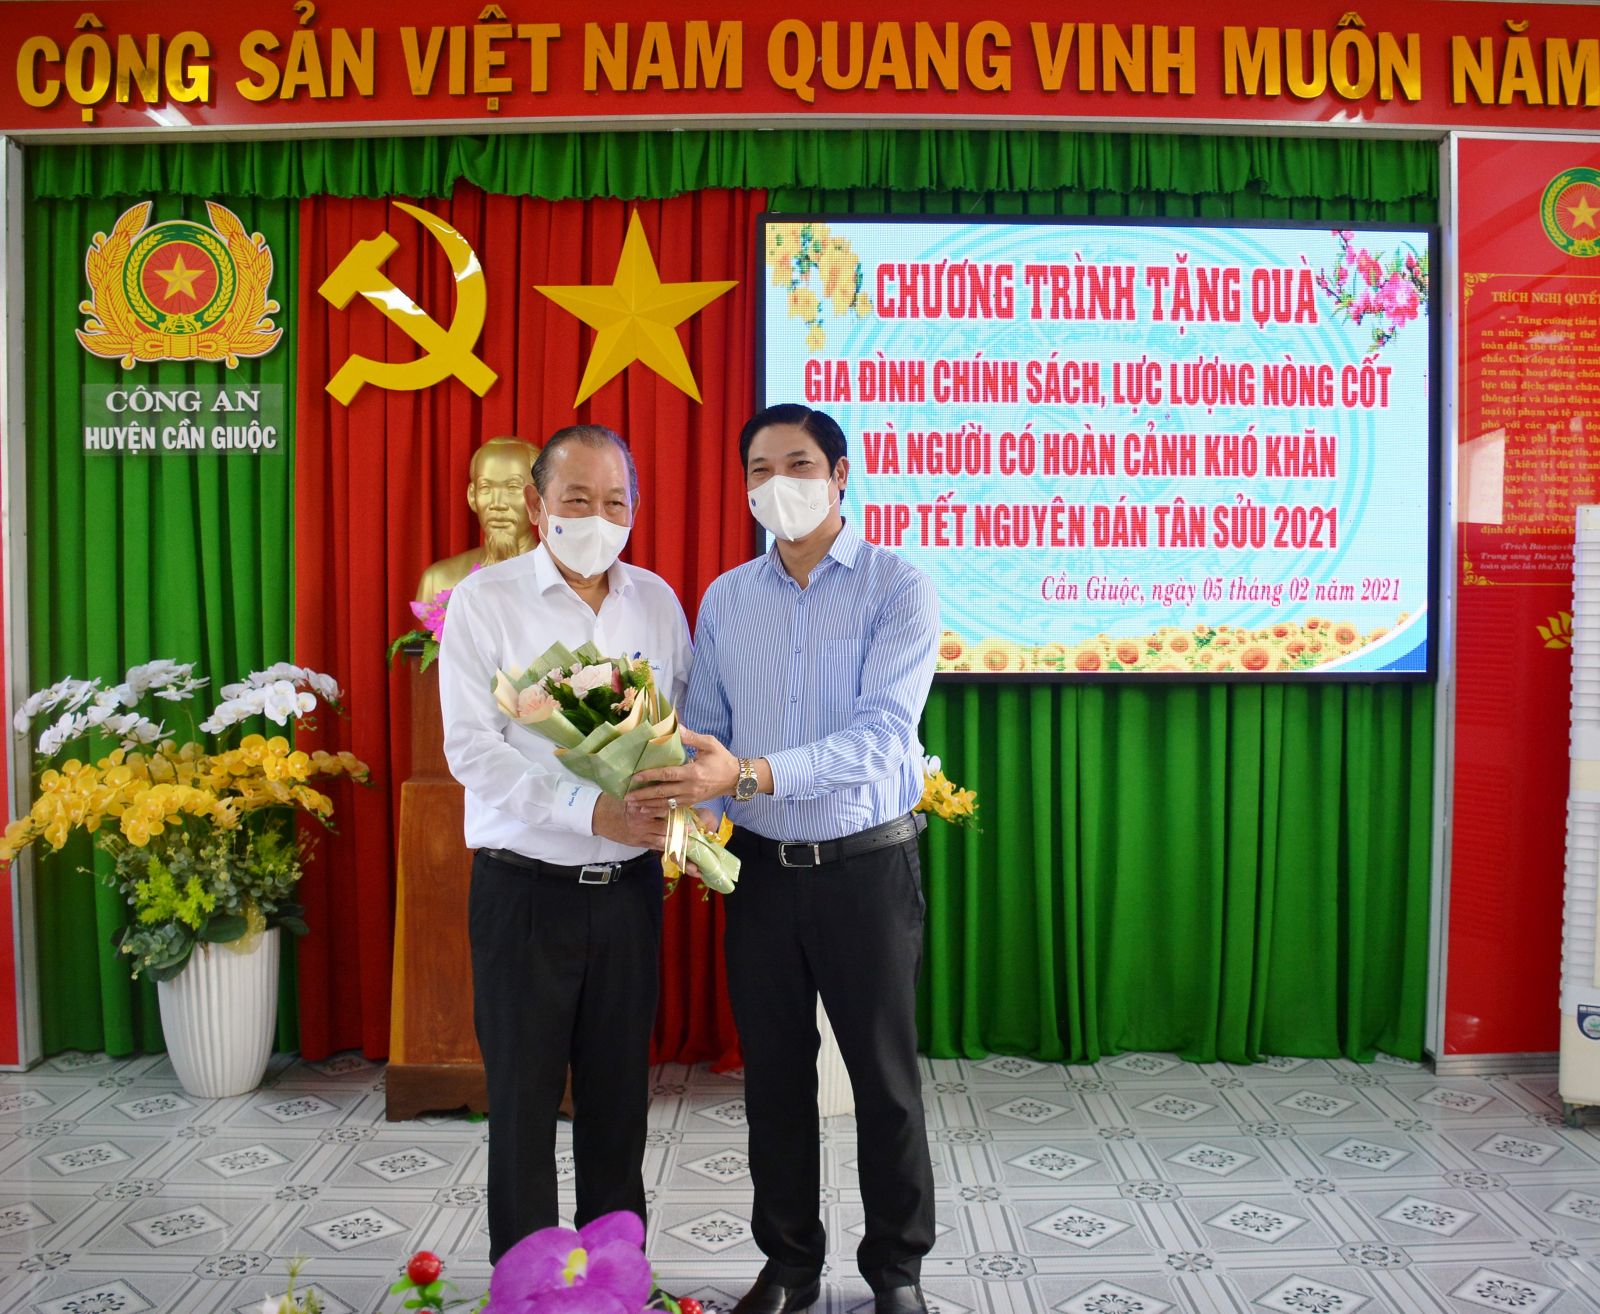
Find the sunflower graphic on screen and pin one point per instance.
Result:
(1286, 645)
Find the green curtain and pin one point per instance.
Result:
(1221, 871)
(1224, 170)
(188, 556)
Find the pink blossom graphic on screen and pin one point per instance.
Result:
(1383, 292)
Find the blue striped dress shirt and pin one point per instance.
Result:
(827, 683)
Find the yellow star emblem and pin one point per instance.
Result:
(1582, 214)
(637, 317)
(180, 280)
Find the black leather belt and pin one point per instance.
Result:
(806, 853)
(590, 873)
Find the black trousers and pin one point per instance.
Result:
(563, 973)
(850, 930)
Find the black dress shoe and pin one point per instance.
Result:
(900, 1300)
(769, 1298)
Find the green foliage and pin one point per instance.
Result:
(197, 884)
(430, 647)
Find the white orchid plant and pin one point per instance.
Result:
(201, 837)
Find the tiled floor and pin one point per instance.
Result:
(1138, 1186)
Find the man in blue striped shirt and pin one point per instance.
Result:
(811, 667)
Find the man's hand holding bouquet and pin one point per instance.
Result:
(609, 722)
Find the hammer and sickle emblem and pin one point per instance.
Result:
(445, 351)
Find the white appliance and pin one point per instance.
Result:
(1579, 1080)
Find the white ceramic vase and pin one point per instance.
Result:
(219, 1016)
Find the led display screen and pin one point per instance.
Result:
(1129, 449)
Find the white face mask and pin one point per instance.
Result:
(585, 545)
(790, 508)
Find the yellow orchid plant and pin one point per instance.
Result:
(201, 839)
(943, 798)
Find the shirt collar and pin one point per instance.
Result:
(549, 576)
(846, 548)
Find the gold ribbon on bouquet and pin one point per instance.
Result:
(675, 852)
(686, 842)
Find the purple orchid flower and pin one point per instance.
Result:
(600, 1269)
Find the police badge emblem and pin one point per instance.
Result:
(178, 290)
(1570, 211)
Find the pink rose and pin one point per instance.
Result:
(587, 678)
(534, 704)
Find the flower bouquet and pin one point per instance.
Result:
(609, 722)
(200, 838)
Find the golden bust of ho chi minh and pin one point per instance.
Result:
(501, 469)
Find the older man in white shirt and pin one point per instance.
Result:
(565, 909)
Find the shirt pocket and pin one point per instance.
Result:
(839, 675)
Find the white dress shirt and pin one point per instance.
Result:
(505, 617)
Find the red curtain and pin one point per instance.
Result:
(380, 493)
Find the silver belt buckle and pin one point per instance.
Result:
(783, 854)
(597, 873)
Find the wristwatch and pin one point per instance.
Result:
(748, 785)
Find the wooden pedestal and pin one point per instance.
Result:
(434, 1063)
